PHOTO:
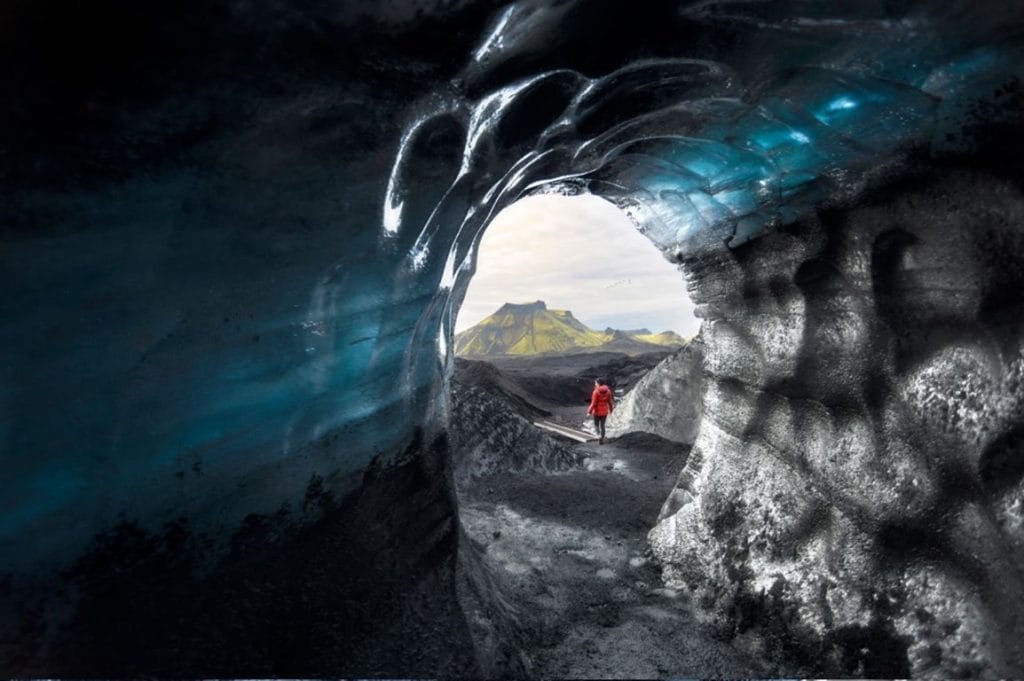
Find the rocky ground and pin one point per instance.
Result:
(568, 552)
(556, 538)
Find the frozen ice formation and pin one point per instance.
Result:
(841, 500)
(235, 234)
(667, 400)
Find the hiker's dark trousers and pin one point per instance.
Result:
(599, 425)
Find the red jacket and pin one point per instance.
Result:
(601, 401)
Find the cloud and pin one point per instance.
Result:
(579, 253)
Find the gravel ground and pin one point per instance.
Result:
(570, 552)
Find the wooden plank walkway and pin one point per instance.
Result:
(565, 431)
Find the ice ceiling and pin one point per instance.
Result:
(699, 152)
(236, 235)
(705, 152)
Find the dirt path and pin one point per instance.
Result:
(571, 552)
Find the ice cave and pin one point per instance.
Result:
(235, 237)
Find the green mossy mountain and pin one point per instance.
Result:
(533, 329)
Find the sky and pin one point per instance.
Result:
(578, 253)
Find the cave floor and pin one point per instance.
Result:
(570, 552)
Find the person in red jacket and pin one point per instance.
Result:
(602, 403)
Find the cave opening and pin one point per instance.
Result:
(616, 308)
(584, 254)
(566, 290)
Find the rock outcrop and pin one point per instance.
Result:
(667, 400)
(491, 429)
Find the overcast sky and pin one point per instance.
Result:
(579, 253)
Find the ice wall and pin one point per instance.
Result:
(841, 504)
(234, 238)
(666, 401)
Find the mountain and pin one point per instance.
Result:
(533, 329)
(528, 329)
(666, 338)
(624, 338)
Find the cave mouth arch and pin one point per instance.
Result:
(702, 156)
(541, 513)
(566, 290)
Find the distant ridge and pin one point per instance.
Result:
(533, 329)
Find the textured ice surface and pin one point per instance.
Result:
(843, 484)
(667, 400)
